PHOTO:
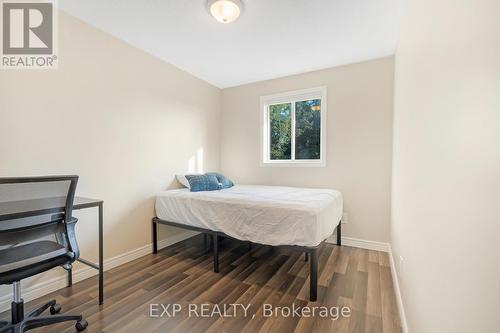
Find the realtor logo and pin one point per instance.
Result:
(28, 30)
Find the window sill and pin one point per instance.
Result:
(295, 164)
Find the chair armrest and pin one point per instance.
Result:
(69, 226)
(71, 220)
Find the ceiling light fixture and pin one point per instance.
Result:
(225, 11)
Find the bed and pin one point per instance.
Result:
(299, 218)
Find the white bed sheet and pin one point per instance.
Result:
(271, 215)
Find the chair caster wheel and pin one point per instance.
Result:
(55, 309)
(81, 325)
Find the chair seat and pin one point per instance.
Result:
(19, 262)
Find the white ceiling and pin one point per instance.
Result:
(272, 38)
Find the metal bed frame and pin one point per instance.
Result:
(311, 252)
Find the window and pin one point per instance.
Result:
(294, 128)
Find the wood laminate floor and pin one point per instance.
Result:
(182, 274)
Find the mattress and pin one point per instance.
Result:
(270, 215)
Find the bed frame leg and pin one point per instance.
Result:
(155, 235)
(215, 242)
(306, 256)
(313, 278)
(339, 234)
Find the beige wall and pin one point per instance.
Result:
(359, 135)
(446, 171)
(123, 120)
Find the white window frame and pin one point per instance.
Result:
(292, 97)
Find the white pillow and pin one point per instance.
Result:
(183, 180)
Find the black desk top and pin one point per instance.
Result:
(26, 208)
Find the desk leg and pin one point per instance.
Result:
(70, 277)
(101, 256)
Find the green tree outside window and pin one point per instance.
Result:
(307, 130)
(280, 119)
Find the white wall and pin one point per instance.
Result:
(446, 171)
(359, 136)
(122, 120)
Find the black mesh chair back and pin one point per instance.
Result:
(32, 208)
(43, 197)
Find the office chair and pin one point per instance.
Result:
(30, 211)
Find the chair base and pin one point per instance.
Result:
(33, 319)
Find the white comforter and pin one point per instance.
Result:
(269, 215)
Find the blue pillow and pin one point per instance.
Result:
(225, 182)
(198, 183)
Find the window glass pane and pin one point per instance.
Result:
(280, 120)
(308, 129)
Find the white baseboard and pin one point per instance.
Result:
(399, 299)
(361, 243)
(384, 247)
(51, 285)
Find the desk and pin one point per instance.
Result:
(26, 208)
